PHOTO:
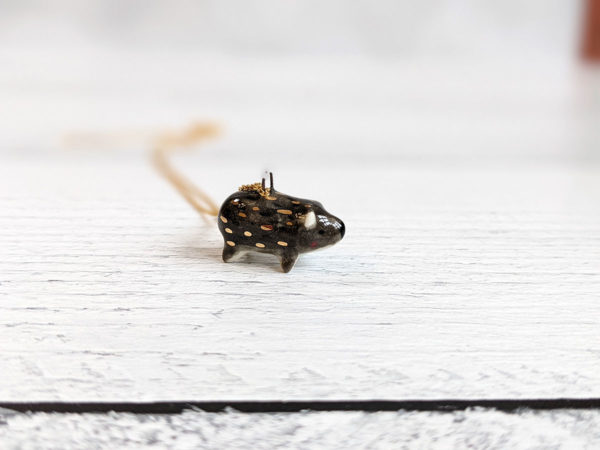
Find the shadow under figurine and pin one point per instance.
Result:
(264, 220)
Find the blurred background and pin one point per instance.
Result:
(440, 81)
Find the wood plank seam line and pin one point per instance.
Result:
(506, 405)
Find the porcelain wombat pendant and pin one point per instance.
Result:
(264, 220)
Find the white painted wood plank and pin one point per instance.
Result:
(463, 282)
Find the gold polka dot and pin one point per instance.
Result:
(255, 208)
(266, 227)
(228, 230)
(282, 243)
(247, 233)
(237, 200)
(270, 198)
(295, 202)
(289, 223)
(223, 219)
(242, 215)
(259, 245)
(284, 211)
(231, 243)
(307, 205)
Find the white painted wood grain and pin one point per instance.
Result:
(478, 281)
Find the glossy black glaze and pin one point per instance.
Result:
(276, 223)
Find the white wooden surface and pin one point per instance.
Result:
(563, 429)
(470, 267)
(472, 281)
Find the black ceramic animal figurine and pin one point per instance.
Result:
(264, 220)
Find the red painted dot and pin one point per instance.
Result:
(313, 244)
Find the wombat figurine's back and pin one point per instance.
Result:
(262, 219)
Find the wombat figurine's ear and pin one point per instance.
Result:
(309, 220)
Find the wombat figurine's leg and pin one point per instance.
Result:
(288, 259)
(229, 253)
